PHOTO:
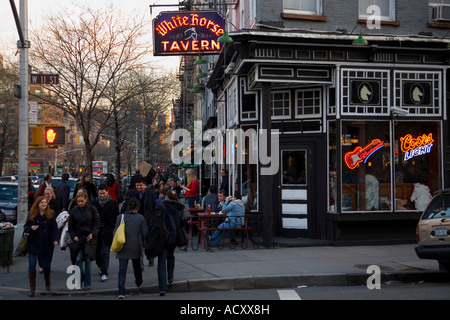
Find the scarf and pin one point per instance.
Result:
(102, 202)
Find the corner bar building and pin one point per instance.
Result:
(362, 129)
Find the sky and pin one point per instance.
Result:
(37, 8)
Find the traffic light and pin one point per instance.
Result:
(55, 135)
(36, 136)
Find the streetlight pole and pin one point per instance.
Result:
(23, 44)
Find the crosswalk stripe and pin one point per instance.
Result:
(288, 295)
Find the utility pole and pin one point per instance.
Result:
(23, 45)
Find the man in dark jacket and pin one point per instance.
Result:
(147, 201)
(166, 259)
(62, 194)
(108, 210)
(147, 198)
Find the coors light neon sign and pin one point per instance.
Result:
(188, 32)
(413, 147)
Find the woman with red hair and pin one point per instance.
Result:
(42, 236)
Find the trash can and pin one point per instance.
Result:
(6, 247)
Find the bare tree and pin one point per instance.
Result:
(156, 102)
(8, 107)
(138, 98)
(88, 49)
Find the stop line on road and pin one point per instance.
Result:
(288, 295)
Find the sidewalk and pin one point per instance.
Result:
(243, 269)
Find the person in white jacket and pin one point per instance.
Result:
(235, 209)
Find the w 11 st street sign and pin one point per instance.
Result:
(50, 79)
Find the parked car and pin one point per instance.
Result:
(433, 231)
(72, 183)
(8, 200)
(8, 178)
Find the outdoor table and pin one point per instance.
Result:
(205, 220)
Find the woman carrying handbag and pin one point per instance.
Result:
(84, 224)
(135, 233)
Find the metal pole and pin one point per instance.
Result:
(136, 153)
(22, 210)
(56, 162)
(266, 181)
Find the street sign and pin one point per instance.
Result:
(50, 79)
(32, 111)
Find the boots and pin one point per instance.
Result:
(32, 278)
(48, 285)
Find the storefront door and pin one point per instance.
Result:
(295, 197)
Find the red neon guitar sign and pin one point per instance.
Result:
(353, 158)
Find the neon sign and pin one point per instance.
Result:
(353, 158)
(413, 147)
(187, 32)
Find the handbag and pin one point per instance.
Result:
(182, 238)
(119, 237)
(22, 246)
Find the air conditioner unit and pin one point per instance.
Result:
(441, 13)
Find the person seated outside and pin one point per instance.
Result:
(211, 200)
(235, 209)
(222, 195)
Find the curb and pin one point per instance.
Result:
(269, 282)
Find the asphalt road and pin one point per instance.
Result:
(388, 291)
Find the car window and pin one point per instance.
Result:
(8, 193)
(439, 207)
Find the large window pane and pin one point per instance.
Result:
(366, 169)
(386, 8)
(300, 5)
(417, 163)
(294, 167)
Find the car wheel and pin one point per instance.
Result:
(444, 266)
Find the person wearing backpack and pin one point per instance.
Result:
(166, 259)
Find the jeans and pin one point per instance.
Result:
(123, 264)
(218, 235)
(44, 261)
(166, 260)
(86, 272)
(102, 256)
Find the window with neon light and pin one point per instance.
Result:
(366, 166)
(417, 154)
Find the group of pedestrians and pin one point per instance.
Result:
(92, 218)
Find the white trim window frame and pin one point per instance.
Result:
(434, 3)
(363, 6)
(311, 104)
(281, 101)
(232, 104)
(311, 7)
(434, 78)
(248, 114)
(381, 75)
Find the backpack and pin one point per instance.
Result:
(158, 235)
